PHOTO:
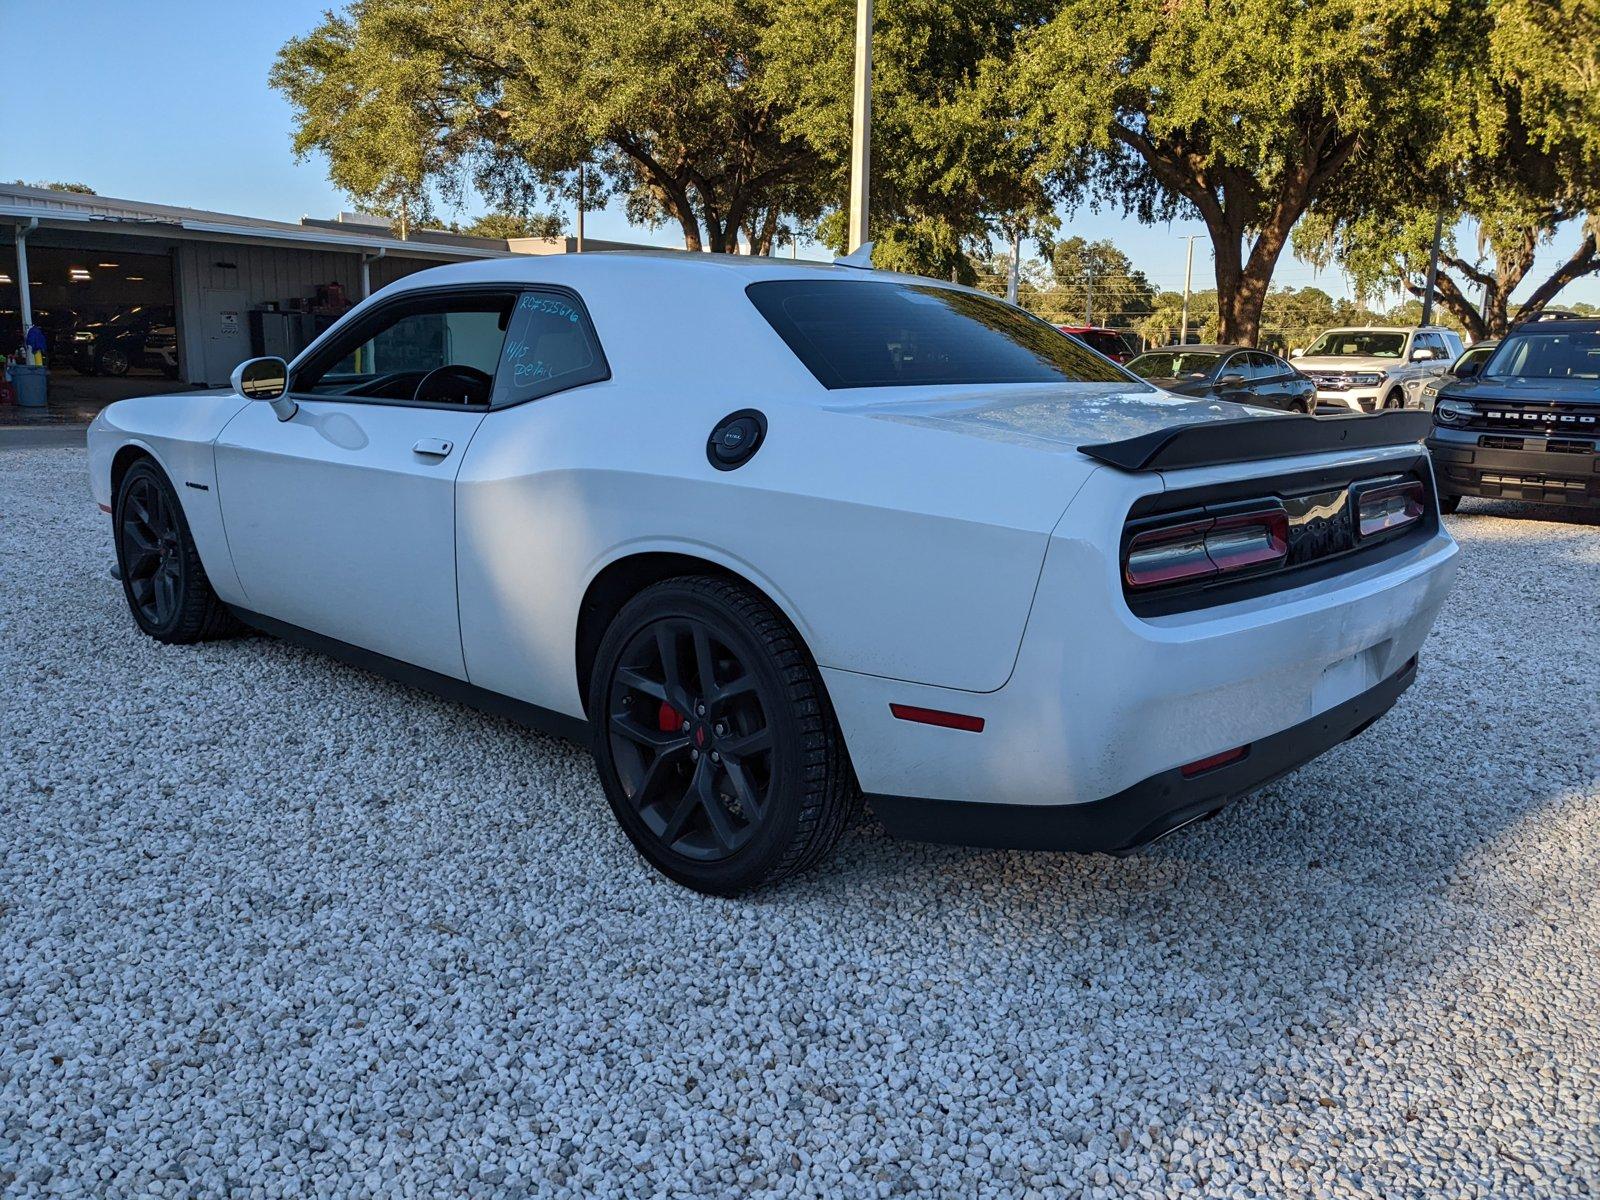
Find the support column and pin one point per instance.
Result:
(24, 284)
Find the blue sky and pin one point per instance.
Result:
(168, 102)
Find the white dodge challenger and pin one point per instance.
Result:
(775, 537)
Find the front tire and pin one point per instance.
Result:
(162, 577)
(714, 738)
(1449, 504)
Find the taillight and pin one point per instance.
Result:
(1390, 507)
(1197, 549)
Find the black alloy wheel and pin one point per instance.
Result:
(691, 739)
(112, 361)
(166, 586)
(147, 533)
(714, 740)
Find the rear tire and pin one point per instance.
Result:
(714, 738)
(1449, 504)
(163, 579)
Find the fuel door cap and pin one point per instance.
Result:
(736, 438)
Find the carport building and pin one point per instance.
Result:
(125, 287)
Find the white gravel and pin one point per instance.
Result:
(270, 926)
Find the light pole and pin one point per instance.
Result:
(1188, 273)
(1014, 282)
(581, 201)
(861, 128)
(1433, 270)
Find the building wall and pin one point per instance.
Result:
(260, 275)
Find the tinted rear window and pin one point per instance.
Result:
(869, 333)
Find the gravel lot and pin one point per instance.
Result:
(271, 926)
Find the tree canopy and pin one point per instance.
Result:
(1241, 112)
(1516, 150)
(409, 97)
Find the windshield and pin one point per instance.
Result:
(867, 333)
(1173, 366)
(1358, 343)
(1563, 354)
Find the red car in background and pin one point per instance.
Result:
(1107, 341)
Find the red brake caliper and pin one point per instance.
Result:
(667, 718)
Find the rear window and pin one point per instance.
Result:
(1173, 366)
(869, 333)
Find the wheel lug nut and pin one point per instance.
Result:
(721, 729)
(694, 756)
(715, 757)
(699, 710)
(685, 725)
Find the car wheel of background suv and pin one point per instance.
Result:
(714, 738)
(1448, 504)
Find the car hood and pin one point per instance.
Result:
(1524, 391)
(1343, 362)
(1059, 417)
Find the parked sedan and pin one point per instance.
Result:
(808, 533)
(1228, 373)
(1108, 341)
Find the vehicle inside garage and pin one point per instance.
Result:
(102, 313)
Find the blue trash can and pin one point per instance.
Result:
(30, 385)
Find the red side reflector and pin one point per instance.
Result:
(1201, 765)
(105, 508)
(932, 716)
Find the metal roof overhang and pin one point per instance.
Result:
(287, 236)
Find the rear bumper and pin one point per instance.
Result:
(1149, 809)
(1502, 470)
(1100, 700)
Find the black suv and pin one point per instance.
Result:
(1525, 424)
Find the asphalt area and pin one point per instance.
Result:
(270, 926)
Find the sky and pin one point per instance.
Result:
(167, 101)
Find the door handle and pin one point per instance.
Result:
(433, 447)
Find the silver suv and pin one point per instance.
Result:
(1365, 369)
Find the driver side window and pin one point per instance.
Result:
(428, 349)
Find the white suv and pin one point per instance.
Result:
(1365, 369)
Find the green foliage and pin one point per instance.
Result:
(1514, 121)
(81, 189)
(943, 179)
(412, 98)
(1243, 112)
(511, 225)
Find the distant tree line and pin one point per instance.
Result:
(1339, 130)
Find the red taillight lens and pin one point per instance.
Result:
(1391, 507)
(1201, 765)
(1194, 550)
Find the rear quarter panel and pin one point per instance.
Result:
(895, 550)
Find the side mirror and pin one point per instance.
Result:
(1421, 355)
(1296, 352)
(265, 379)
(1231, 381)
(1467, 370)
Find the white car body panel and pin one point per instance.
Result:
(944, 547)
(337, 525)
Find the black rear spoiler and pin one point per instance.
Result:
(1249, 439)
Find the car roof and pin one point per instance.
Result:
(1558, 325)
(1198, 349)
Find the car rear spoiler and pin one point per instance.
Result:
(1249, 439)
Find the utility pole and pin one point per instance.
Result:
(1188, 275)
(1014, 283)
(1088, 295)
(1433, 270)
(861, 129)
(581, 182)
